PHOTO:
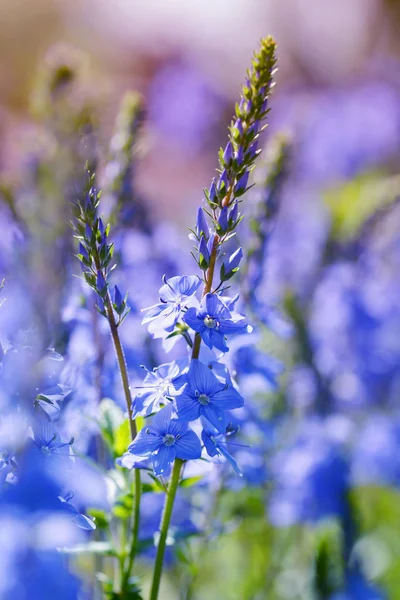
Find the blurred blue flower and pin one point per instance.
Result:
(376, 452)
(311, 479)
(47, 439)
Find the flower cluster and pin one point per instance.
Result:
(195, 393)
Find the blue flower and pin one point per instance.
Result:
(158, 387)
(204, 395)
(47, 439)
(215, 444)
(213, 321)
(164, 440)
(174, 295)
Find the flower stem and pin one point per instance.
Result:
(135, 532)
(209, 280)
(165, 521)
(121, 362)
(132, 425)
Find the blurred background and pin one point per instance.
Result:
(338, 79)
(331, 448)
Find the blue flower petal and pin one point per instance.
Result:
(232, 327)
(202, 379)
(227, 399)
(168, 291)
(162, 419)
(152, 312)
(191, 318)
(217, 340)
(188, 447)
(189, 284)
(212, 304)
(163, 458)
(187, 407)
(171, 317)
(145, 443)
(215, 416)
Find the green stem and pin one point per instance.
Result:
(132, 425)
(165, 521)
(121, 362)
(135, 533)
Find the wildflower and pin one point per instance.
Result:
(158, 388)
(164, 440)
(204, 395)
(174, 296)
(47, 439)
(215, 444)
(213, 321)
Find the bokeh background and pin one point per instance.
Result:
(329, 494)
(337, 83)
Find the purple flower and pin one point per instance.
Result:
(174, 295)
(205, 396)
(164, 440)
(213, 321)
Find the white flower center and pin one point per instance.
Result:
(169, 439)
(46, 450)
(164, 386)
(210, 322)
(204, 399)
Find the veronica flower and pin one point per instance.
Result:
(213, 321)
(157, 388)
(164, 440)
(174, 296)
(48, 441)
(215, 444)
(205, 396)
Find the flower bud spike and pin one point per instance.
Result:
(118, 300)
(213, 191)
(88, 232)
(223, 220)
(201, 225)
(204, 255)
(241, 185)
(100, 226)
(101, 284)
(238, 128)
(233, 214)
(228, 154)
(234, 260)
(239, 156)
(83, 251)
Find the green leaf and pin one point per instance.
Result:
(353, 202)
(123, 506)
(100, 516)
(189, 481)
(122, 438)
(110, 419)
